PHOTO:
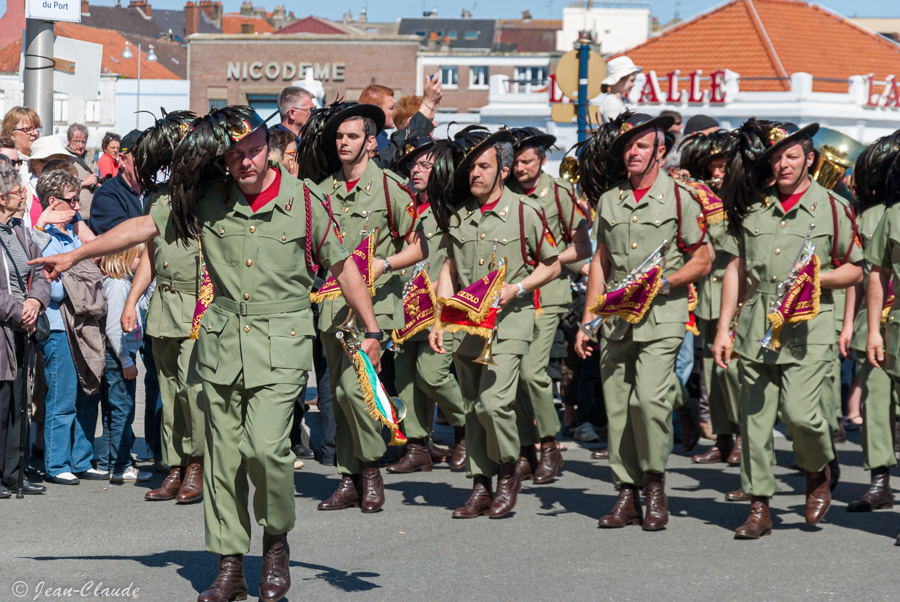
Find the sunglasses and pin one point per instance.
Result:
(69, 200)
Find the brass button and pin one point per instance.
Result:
(783, 223)
(343, 234)
(293, 334)
(252, 229)
(221, 230)
(284, 238)
(403, 272)
(165, 264)
(208, 328)
(246, 329)
(365, 213)
(634, 218)
(891, 318)
(634, 245)
(462, 239)
(482, 237)
(613, 222)
(656, 222)
(778, 251)
(166, 288)
(246, 296)
(346, 209)
(430, 235)
(756, 231)
(503, 241)
(715, 279)
(774, 279)
(249, 262)
(481, 262)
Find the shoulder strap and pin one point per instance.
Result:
(837, 262)
(307, 197)
(681, 244)
(522, 240)
(566, 224)
(390, 210)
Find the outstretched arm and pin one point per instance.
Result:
(357, 296)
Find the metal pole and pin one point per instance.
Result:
(137, 114)
(584, 49)
(39, 70)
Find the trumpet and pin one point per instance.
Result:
(568, 169)
(486, 356)
(804, 256)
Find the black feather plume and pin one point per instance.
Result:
(154, 148)
(871, 182)
(316, 158)
(598, 170)
(742, 185)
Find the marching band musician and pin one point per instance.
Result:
(775, 211)
(535, 412)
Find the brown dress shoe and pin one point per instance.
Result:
(527, 462)
(479, 502)
(372, 488)
(690, 426)
(716, 453)
(550, 463)
(415, 459)
(878, 495)
(169, 488)
(438, 453)
(657, 504)
(738, 495)
(601, 454)
(346, 495)
(818, 495)
(508, 486)
(229, 584)
(458, 462)
(275, 579)
(191, 489)
(759, 522)
(735, 457)
(627, 510)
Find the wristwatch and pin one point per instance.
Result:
(387, 266)
(666, 288)
(521, 292)
(378, 335)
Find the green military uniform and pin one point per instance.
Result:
(637, 362)
(364, 207)
(789, 379)
(831, 393)
(169, 320)
(419, 372)
(879, 393)
(535, 412)
(489, 392)
(255, 350)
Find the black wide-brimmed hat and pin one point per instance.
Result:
(372, 112)
(530, 136)
(489, 140)
(782, 134)
(415, 146)
(636, 125)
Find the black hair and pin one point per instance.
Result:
(875, 174)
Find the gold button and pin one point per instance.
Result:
(343, 234)
(246, 329)
(462, 239)
(249, 262)
(252, 229)
(284, 238)
(503, 241)
(613, 222)
(634, 245)
(656, 222)
(246, 296)
(208, 328)
(365, 213)
(715, 279)
(293, 334)
(430, 235)
(774, 279)
(165, 264)
(346, 209)
(778, 251)
(403, 272)
(166, 288)
(221, 230)
(482, 237)
(783, 223)
(481, 262)
(891, 318)
(756, 231)
(634, 218)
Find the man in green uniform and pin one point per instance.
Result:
(634, 218)
(262, 233)
(420, 374)
(493, 220)
(766, 235)
(364, 199)
(535, 412)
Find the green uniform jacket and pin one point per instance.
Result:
(709, 289)
(631, 231)
(470, 245)
(884, 250)
(260, 321)
(554, 196)
(868, 222)
(178, 275)
(369, 200)
(768, 243)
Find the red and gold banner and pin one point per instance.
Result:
(418, 308)
(693, 300)
(362, 256)
(631, 301)
(473, 309)
(711, 205)
(888, 302)
(801, 303)
(204, 298)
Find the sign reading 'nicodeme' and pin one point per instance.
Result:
(257, 70)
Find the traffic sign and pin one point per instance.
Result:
(54, 10)
(567, 74)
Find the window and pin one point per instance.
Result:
(246, 27)
(529, 79)
(472, 35)
(450, 76)
(478, 76)
(452, 34)
(217, 103)
(421, 33)
(92, 111)
(61, 109)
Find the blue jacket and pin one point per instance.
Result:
(60, 242)
(113, 203)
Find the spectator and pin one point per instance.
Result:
(108, 163)
(23, 125)
(405, 108)
(283, 149)
(8, 150)
(77, 137)
(294, 106)
(701, 124)
(19, 309)
(121, 197)
(621, 73)
(673, 136)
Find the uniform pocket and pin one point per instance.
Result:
(290, 342)
(210, 338)
(222, 246)
(282, 251)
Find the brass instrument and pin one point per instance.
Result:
(804, 256)
(486, 356)
(406, 288)
(657, 257)
(568, 169)
(348, 335)
(836, 153)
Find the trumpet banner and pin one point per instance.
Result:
(362, 256)
(377, 399)
(418, 308)
(888, 302)
(474, 309)
(204, 298)
(693, 301)
(801, 303)
(711, 205)
(631, 301)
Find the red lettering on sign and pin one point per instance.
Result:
(696, 94)
(871, 97)
(717, 87)
(650, 93)
(674, 95)
(556, 94)
(891, 93)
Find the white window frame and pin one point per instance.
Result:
(537, 76)
(476, 82)
(450, 77)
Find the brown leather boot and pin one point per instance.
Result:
(738, 495)
(601, 454)
(229, 584)
(759, 522)
(527, 462)
(657, 504)
(169, 488)
(459, 449)
(438, 453)
(508, 486)
(346, 495)
(415, 459)
(479, 502)
(735, 457)
(550, 463)
(818, 495)
(690, 426)
(627, 510)
(275, 579)
(716, 453)
(372, 488)
(878, 495)
(191, 489)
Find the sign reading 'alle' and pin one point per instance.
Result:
(888, 97)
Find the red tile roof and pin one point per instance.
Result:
(234, 23)
(311, 24)
(765, 41)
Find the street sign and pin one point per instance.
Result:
(567, 74)
(564, 112)
(77, 67)
(54, 10)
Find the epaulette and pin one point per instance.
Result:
(395, 177)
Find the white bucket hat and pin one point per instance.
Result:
(619, 67)
(48, 146)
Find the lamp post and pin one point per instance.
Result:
(151, 56)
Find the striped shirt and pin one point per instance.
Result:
(14, 255)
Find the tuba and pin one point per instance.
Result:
(568, 169)
(835, 155)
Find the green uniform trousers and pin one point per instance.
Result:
(831, 393)
(183, 402)
(358, 435)
(795, 390)
(723, 387)
(536, 415)
(489, 394)
(247, 434)
(880, 398)
(422, 375)
(637, 378)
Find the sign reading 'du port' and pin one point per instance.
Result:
(54, 10)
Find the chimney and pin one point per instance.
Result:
(141, 5)
(433, 42)
(246, 8)
(191, 18)
(85, 8)
(526, 15)
(279, 14)
(213, 11)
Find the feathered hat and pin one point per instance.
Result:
(155, 147)
(872, 169)
(598, 170)
(742, 185)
